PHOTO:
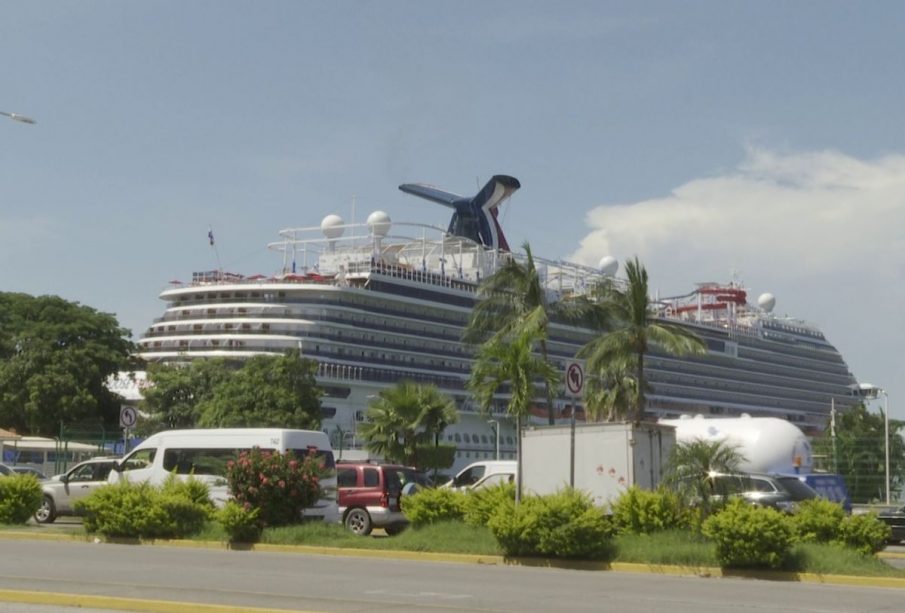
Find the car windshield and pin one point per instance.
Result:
(797, 489)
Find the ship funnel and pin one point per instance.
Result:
(474, 218)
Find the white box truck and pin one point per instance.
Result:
(609, 458)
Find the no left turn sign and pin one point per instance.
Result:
(127, 417)
(574, 378)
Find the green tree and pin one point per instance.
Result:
(508, 299)
(175, 392)
(267, 391)
(691, 463)
(859, 453)
(55, 359)
(609, 396)
(636, 330)
(508, 364)
(404, 424)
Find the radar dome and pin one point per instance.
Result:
(332, 226)
(608, 265)
(379, 222)
(766, 302)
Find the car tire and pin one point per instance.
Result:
(394, 529)
(358, 522)
(47, 513)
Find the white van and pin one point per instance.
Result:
(204, 453)
(486, 473)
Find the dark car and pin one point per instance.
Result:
(30, 470)
(780, 492)
(369, 495)
(895, 519)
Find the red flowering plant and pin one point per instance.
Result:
(279, 484)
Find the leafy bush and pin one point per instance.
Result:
(278, 484)
(241, 525)
(140, 510)
(639, 511)
(480, 505)
(565, 525)
(20, 497)
(817, 520)
(749, 536)
(864, 533)
(429, 506)
(195, 490)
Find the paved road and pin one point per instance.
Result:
(348, 584)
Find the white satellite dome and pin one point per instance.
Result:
(332, 226)
(379, 223)
(608, 265)
(766, 302)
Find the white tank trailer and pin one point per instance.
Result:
(768, 444)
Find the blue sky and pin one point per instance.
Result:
(764, 138)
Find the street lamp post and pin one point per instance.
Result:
(18, 117)
(886, 429)
(871, 392)
(496, 428)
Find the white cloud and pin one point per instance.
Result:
(822, 230)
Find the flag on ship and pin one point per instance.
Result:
(210, 236)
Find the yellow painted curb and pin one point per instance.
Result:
(124, 604)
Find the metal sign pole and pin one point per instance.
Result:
(574, 385)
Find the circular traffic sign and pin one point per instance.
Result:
(574, 378)
(127, 417)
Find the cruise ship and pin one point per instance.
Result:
(382, 301)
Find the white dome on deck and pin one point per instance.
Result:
(766, 302)
(608, 265)
(379, 223)
(331, 226)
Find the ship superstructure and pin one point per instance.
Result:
(383, 301)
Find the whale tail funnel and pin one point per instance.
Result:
(474, 218)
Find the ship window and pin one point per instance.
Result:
(458, 438)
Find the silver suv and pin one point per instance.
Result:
(782, 492)
(62, 491)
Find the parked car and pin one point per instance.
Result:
(369, 495)
(30, 470)
(485, 473)
(895, 519)
(780, 492)
(62, 491)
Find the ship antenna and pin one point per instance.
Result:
(210, 237)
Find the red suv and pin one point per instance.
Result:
(368, 495)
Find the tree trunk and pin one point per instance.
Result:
(518, 459)
(551, 415)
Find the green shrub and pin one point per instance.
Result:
(429, 506)
(20, 497)
(194, 489)
(817, 520)
(864, 533)
(565, 524)
(639, 511)
(480, 505)
(278, 484)
(749, 536)
(241, 525)
(140, 510)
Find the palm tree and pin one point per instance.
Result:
(609, 397)
(405, 419)
(691, 464)
(509, 363)
(509, 298)
(636, 329)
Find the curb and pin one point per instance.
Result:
(491, 560)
